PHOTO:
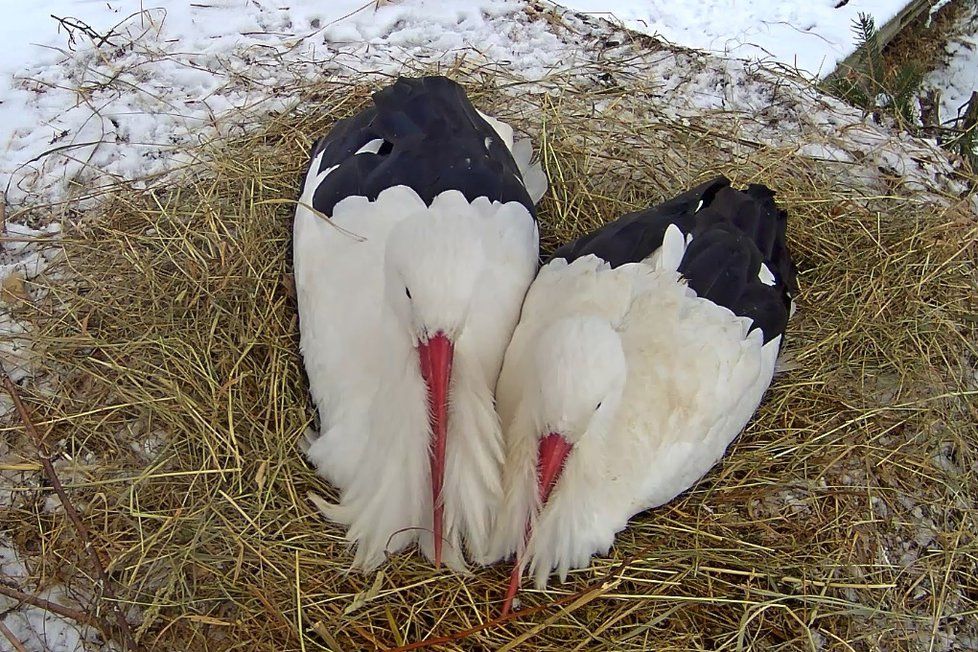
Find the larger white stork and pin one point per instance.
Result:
(642, 351)
(415, 240)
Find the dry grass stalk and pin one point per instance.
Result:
(842, 518)
(44, 456)
(9, 635)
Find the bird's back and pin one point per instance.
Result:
(696, 375)
(711, 282)
(635, 236)
(727, 235)
(425, 134)
(696, 291)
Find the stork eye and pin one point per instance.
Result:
(597, 406)
(407, 292)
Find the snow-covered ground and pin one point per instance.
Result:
(71, 113)
(121, 98)
(38, 629)
(957, 78)
(811, 36)
(122, 93)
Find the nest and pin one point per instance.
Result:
(842, 518)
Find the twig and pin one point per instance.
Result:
(44, 456)
(47, 605)
(71, 24)
(18, 646)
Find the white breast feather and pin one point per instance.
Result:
(586, 286)
(377, 455)
(331, 256)
(695, 378)
(473, 483)
(386, 483)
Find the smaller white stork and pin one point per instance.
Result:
(642, 351)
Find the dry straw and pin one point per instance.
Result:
(842, 519)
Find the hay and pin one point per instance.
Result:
(842, 519)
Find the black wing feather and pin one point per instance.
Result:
(434, 140)
(635, 236)
(733, 233)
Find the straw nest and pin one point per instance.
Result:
(843, 518)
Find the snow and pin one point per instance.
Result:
(37, 629)
(79, 112)
(958, 77)
(81, 115)
(811, 36)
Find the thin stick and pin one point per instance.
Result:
(47, 605)
(44, 456)
(18, 646)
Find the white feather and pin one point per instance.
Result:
(504, 131)
(371, 147)
(668, 256)
(357, 337)
(692, 378)
(363, 370)
(534, 178)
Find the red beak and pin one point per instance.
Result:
(552, 453)
(435, 357)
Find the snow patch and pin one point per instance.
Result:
(957, 77)
(37, 629)
(77, 116)
(810, 36)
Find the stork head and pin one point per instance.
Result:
(580, 369)
(433, 265)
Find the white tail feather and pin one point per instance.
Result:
(534, 178)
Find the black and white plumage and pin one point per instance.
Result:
(425, 135)
(414, 242)
(743, 230)
(642, 351)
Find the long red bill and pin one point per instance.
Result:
(435, 357)
(552, 453)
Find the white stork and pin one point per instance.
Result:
(414, 242)
(642, 351)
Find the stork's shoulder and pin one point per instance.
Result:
(585, 286)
